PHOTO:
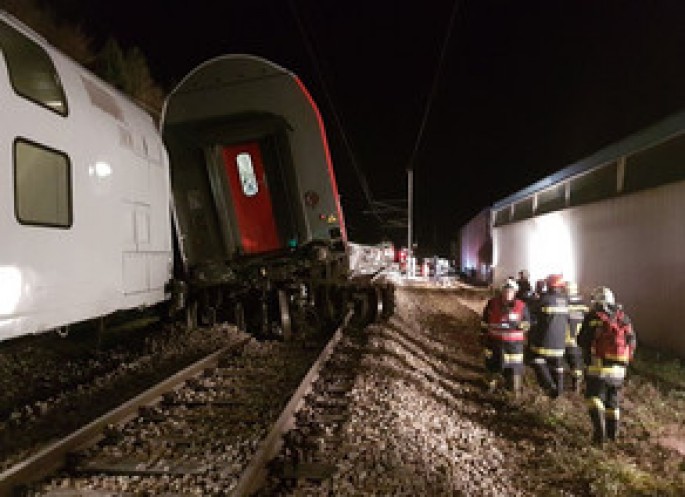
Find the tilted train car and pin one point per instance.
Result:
(256, 208)
(614, 219)
(255, 225)
(84, 217)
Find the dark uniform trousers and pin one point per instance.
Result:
(548, 342)
(603, 386)
(574, 354)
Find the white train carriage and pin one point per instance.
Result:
(615, 219)
(84, 207)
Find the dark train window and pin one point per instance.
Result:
(552, 199)
(42, 185)
(595, 185)
(523, 209)
(502, 216)
(658, 165)
(31, 71)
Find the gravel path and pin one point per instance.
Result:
(418, 424)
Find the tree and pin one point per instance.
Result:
(126, 70)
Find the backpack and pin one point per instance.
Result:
(612, 338)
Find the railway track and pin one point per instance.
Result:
(208, 430)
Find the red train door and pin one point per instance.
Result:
(251, 198)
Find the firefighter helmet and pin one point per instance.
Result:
(510, 283)
(555, 281)
(602, 296)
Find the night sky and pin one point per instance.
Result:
(526, 87)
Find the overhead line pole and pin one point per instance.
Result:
(419, 136)
(410, 216)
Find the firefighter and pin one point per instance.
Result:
(548, 339)
(608, 342)
(577, 309)
(525, 291)
(504, 325)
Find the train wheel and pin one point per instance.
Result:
(239, 317)
(388, 301)
(377, 300)
(191, 315)
(284, 314)
(362, 308)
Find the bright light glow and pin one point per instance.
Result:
(102, 169)
(10, 289)
(550, 248)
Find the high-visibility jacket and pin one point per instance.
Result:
(577, 309)
(505, 322)
(611, 368)
(548, 339)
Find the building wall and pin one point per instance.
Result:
(632, 243)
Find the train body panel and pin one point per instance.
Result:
(84, 212)
(230, 102)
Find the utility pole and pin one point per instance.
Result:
(410, 216)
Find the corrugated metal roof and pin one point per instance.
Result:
(656, 133)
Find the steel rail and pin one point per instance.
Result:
(255, 472)
(53, 457)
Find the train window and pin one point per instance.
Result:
(552, 199)
(502, 216)
(595, 185)
(31, 71)
(523, 209)
(659, 165)
(248, 179)
(42, 185)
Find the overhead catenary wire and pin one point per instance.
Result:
(336, 116)
(434, 86)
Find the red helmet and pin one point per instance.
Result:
(555, 281)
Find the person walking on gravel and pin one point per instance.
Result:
(504, 325)
(547, 341)
(577, 309)
(608, 341)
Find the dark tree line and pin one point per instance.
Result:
(127, 70)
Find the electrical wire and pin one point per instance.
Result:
(336, 116)
(434, 86)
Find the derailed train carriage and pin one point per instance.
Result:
(257, 215)
(255, 229)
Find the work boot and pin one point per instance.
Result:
(516, 384)
(544, 377)
(612, 429)
(598, 427)
(559, 380)
(490, 383)
(575, 383)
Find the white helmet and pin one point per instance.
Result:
(603, 296)
(510, 283)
